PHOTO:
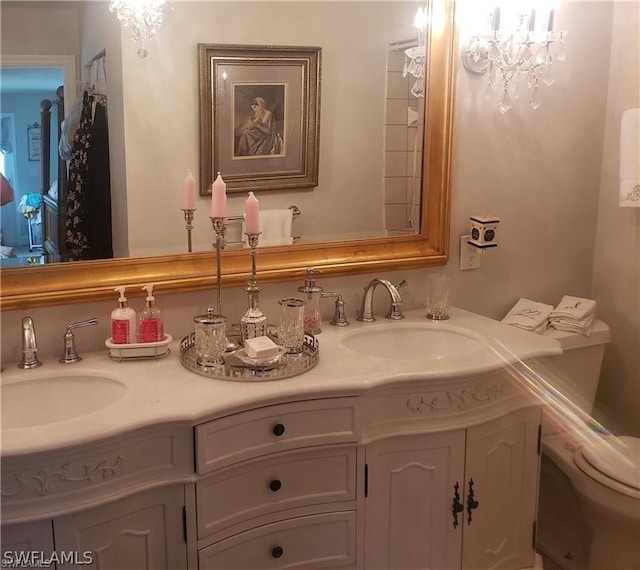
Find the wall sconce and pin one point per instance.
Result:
(518, 49)
(144, 17)
(415, 57)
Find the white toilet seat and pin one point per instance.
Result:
(613, 462)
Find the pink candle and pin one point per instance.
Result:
(219, 198)
(189, 192)
(252, 214)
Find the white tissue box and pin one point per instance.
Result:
(483, 231)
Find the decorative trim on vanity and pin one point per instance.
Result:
(441, 404)
(40, 482)
(462, 399)
(67, 480)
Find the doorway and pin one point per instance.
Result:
(24, 82)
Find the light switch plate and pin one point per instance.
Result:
(470, 256)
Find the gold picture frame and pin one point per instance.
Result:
(259, 116)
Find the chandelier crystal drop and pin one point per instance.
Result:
(518, 59)
(144, 17)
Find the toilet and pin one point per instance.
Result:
(589, 507)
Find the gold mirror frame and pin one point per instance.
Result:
(74, 282)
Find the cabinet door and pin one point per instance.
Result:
(142, 531)
(409, 497)
(20, 541)
(502, 477)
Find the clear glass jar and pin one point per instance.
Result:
(211, 338)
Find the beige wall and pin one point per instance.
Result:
(162, 102)
(616, 268)
(539, 171)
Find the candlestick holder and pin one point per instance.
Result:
(254, 322)
(188, 218)
(220, 230)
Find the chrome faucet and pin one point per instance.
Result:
(29, 345)
(70, 353)
(365, 314)
(339, 318)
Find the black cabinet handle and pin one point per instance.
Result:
(278, 430)
(456, 505)
(275, 485)
(472, 504)
(277, 551)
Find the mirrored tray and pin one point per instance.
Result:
(236, 370)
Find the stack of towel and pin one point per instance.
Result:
(529, 315)
(573, 314)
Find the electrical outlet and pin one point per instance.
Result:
(470, 256)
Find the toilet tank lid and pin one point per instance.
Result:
(600, 334)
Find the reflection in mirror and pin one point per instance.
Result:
(369, 134)
(373, 163)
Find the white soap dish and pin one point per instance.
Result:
(139, 350)
(260, 362)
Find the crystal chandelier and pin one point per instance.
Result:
(144, 17)
(516, 53)
(416, 56)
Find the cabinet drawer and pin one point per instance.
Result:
(325, 540)
(274, 428)
(273, 484)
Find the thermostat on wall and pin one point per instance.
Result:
(483, 231)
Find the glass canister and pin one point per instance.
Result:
(211, 338)
(291, 326)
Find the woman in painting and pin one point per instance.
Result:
(258, 136)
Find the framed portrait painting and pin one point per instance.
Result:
(259, 116)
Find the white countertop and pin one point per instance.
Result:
(163, 391)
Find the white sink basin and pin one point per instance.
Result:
(50, 399)
(411, 341)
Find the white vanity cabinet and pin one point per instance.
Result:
(395, 465)
(451, 477)
(17, 539)
(145, 530)
(123, 499)
(409, 492)
(280, 487)
(459, 499)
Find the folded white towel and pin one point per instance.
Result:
(582, 327)
(574, 314)
(529, 315)
(276, 227)
(575, 308)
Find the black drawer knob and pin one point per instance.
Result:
(275, 485)
(278, 430)
(277, 551)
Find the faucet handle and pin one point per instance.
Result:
(29, 345)
(395, 312)
(339, 318)
(70, 353)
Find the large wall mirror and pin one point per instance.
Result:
(382, 199)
